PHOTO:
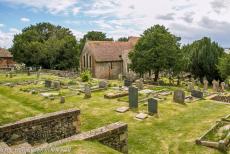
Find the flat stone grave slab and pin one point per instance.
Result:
(49, 94)
(122, 109)
(141, 116)
(146, 91)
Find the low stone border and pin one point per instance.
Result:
(221, 144)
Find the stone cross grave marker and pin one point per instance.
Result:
(133, 97)
(197, 94)
(179, 96)
(87, 91)
(152, 106)
(222, 86)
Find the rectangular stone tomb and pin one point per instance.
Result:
(46, 128)
(218, 136)
(115, 95)
(179, 96)
(197, 94)
(152, 106)
(133, 97)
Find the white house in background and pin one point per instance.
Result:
(227, 50)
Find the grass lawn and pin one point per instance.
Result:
(173, 131)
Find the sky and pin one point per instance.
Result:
(189, 19)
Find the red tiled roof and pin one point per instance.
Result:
(109, 50)
(5, 54)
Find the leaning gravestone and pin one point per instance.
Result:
(127, 82)
(48, 83)
(197, 93)
(133, 97)
(152, 106)
(179, 96)
(103, 84)
(87, 91)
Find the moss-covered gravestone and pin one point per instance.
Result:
(87, 91)
(133, 97)
(197, 94)
(48, 83)
(179, 96)
(152, 106)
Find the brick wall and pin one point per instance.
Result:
(46, 128)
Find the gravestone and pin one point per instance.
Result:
(197, 94)
(127, 82)
(214, 85)
(122, 109)
(87, 91)
(141, 116)
(133, 97)
(57, 85)
(205, 85)
(11, 75)
(48, 83)
(139, 84)
(222, 86)
(190, 86)
(152, 106)
(38, 75)
(179, 96)
(103, 84)
(62, 99)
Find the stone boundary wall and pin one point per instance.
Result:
(40, 129)
(114, 135)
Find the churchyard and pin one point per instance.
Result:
(160, 118)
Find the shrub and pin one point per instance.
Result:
(86, 76)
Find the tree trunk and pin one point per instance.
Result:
(156, 75)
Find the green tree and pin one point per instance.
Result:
(46, 45)
(123, 39)
(224, 66)
(94, 36)
(203, 59)
(157, 50)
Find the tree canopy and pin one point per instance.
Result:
(203, 59)
(224, 66)
(157, 50)
(123, 39)
(46, 45)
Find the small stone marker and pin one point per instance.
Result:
(62, 99)
(11, 75)
(214, 85)
(139, 84)
(103, 84)
(197, 94)
(133, 97)
(179, 96)
(141, 116)
(48, 83)
(127, 82)
(87, 91)
(122, 109)
(152, 106)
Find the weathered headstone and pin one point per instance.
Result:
(87, 91)
(103, 84)
(222, 86)
(127, 82)
(214, 86)
(62, 99)
(197, 94)
(139, 84)
(133, 97)
(152, 106)
(48, 83)
(205, 85)
(190, 86)
(57, 85)
(179, 96)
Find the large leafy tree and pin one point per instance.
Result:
(46, 45)
(94, 36)
(157, 50)
(204, 56)
(123, 39)
(224, 66)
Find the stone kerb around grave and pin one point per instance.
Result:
(39, 129)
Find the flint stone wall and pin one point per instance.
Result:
(46, 128)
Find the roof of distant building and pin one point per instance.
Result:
(5, 53)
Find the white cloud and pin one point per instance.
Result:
(76, 10)
(52, 6)
(2, 25)
(23, 19)
(7, 37)
(77, 34)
